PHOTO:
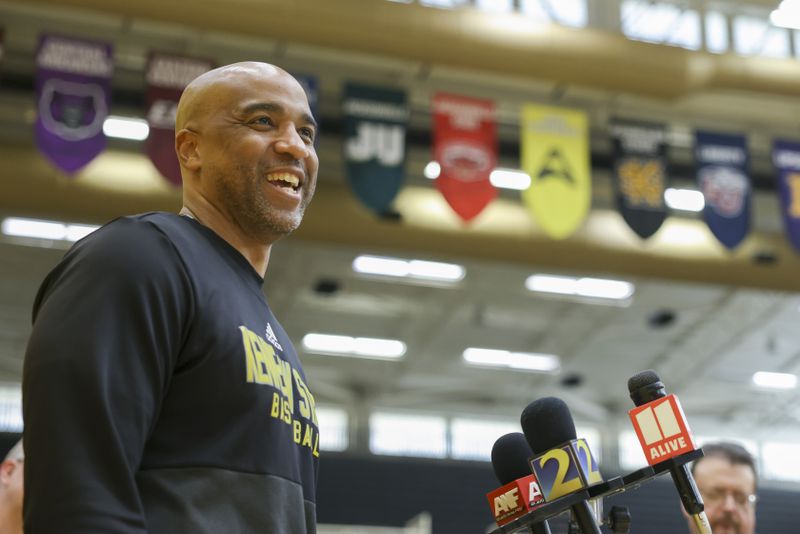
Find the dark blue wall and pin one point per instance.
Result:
(389, 491)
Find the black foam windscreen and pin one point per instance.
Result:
(645, 378)
(547, 423)
(510, 455)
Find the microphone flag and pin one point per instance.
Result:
(786, 158)
(566, 469)
(662, 429)
(167, 75)
(722, 167)
(465, 145)
(73, 96)
(515, 499)
(375, 121)
(640, 174)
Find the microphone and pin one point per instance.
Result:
(663, 432)
(520, 492)
(562, 463)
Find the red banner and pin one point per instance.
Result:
(167, 76)
(465, 145)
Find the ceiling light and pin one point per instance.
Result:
(361, 347)
(598, 288)
(416, 269)
(523, 361)
(684, 199)
(510, 179)
(500, 177)
(126, 128)
(40, 229)
(432, 170)
(787, 15)
(775, 380)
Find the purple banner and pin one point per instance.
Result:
(722, 166)
(786, 157)
(167, 75)
(73, 93)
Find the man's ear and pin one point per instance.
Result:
(187, 150)
(6, 470)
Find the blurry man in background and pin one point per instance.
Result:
(726, 478)
(11, 484)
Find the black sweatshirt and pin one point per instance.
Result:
(161, 395)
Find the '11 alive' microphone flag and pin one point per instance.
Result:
(661, 426)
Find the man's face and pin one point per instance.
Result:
(259, 165)
(726, 490)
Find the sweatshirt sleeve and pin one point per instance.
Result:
(109, 323)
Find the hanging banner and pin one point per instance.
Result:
(722, 163)
(786, 158)
(554, 150)
(167, 75)
(73, 94)
(465, 146)
(640, 174)
(375, 121)
(311, 87)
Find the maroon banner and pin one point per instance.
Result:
(73, 95)
(167, 76)
(465, 145)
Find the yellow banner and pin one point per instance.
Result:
(555, 153)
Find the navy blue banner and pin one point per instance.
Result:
(375, 120)
(722, 175)
(311, 88)
(640, 174)
(786, 158)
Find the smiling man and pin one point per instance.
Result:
(160, 393)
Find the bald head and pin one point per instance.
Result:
(209, 90)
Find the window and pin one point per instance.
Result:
(10, 409)
(630, 451)
(565, 12)
(473, 439)
(661, 23)
(408, 435)
(332, 429)
(755, 36)
(716, 32)
(780, 461)
(495, 6)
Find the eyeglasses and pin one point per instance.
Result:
(716, 497)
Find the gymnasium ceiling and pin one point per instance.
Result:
(733, 313)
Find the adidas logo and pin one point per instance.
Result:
(272, 338)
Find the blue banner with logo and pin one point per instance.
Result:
(375, 120)
(786, 158)
(640, 174)
(722, 175)
(311, 87)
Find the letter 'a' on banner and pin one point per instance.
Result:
(465, 146)
(73, 95)
(722, 167)
(167, 75)
(640, 174)
(555, 153)
(375, 120)
(786, 158)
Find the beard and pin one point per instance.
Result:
(242, 195)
